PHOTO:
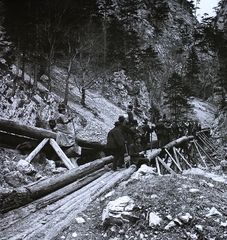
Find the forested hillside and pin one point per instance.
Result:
(99, 57)
(148, 53)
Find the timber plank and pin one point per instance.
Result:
(47, 223)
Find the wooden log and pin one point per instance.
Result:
(166, 166)
(178, 166)
(157, 166)
(31, 156)
(170, 145)
(70, 203)
(61, 193)
(24, 130)
(154, 153)
(47, 186)
(121, 176)
(13, 222)
(93, 145)
(200, 155)
(61, 154)
(178, 141)
(13, 140)
(40, 133)
(184, 159)
(49, 222)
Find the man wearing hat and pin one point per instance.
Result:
(134, 128)
(159, 129)
(136, 152)
(146, 131)
(115, 143)
(66, 136)
(127, 133)
(130, 114)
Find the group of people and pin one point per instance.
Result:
(128, 138)
(167, 130)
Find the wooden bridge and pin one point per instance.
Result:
(43, 209)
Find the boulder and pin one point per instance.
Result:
(119, 211)
(25, 167)
(15, 179)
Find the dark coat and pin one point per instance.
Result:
(127, 132)
(115, 138)
(146, 133)
(159, 128)
(134, 150)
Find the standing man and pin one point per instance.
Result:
(127, 132)
(115, 143)
(130, 114)
(66, 136)
(159, 129)
(145, 134)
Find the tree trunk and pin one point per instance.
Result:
(24, 195)
(49, 222)
(83, 96)
(174, 143)
(62, 192)
(40, 133)
(23, 66)
(34, 88)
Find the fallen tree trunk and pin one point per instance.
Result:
(53, 197)
(175, 143)
(24, 130)
(49, 222)
(24, 195)
(40, 133)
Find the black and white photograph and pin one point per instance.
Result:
(113, 119)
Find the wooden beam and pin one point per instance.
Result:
(155, 152)
(157, 166)
(184, 159)
(178, 166)
(166, 166)
(25, 130)
(23, 195)
(40, 133)
(61, 154)
(31, 156)
(206, 153)
(74, 162)
(201, 157)
(175, 155)
(62, 192)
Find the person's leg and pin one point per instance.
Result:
(159, 140)
(153, 162)
(121, 157)
(115, 159)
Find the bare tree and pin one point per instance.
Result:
(84, 59)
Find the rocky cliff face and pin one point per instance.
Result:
(171, 38)
(221, 21)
